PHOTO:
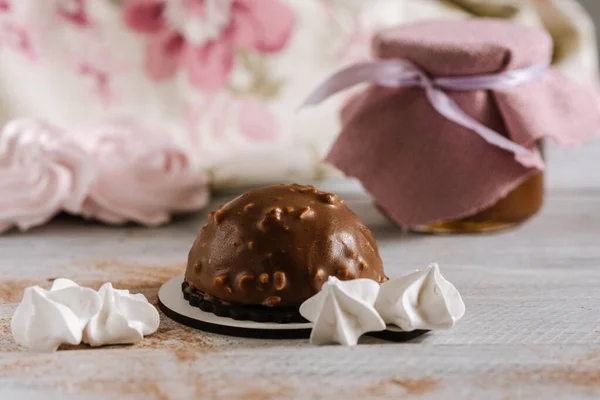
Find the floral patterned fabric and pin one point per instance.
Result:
(202, 36)
(223, 78)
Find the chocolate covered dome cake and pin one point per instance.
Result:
(264, 253)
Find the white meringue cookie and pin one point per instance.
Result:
(46, 319)
(342, 311)
(420, 300)
(124, 318)
(41, 173)
(143, 174)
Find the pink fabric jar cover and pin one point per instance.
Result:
(423, 168)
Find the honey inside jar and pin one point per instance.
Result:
(520, 204)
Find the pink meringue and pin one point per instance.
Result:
(143, 175)
(41, 173)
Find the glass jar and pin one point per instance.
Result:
(520, 204)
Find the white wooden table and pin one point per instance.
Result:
(532, 328)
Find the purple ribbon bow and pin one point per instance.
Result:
(396, 73)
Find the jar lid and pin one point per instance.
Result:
(456, 48)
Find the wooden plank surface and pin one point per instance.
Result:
(532, 328)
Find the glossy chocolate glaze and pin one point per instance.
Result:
(275, 246)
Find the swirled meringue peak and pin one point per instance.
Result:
(70, 314)
(124, 318)
(45, 319)
(42, 171)
(423, 299)
(343, 311)
(143, 175)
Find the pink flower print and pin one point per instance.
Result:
(16, 37)
(256, 122)
(222, 126)
(201, 35)
(74, 11)
(101, 81)
(4, 6)
(163, 55)
(355, 47)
